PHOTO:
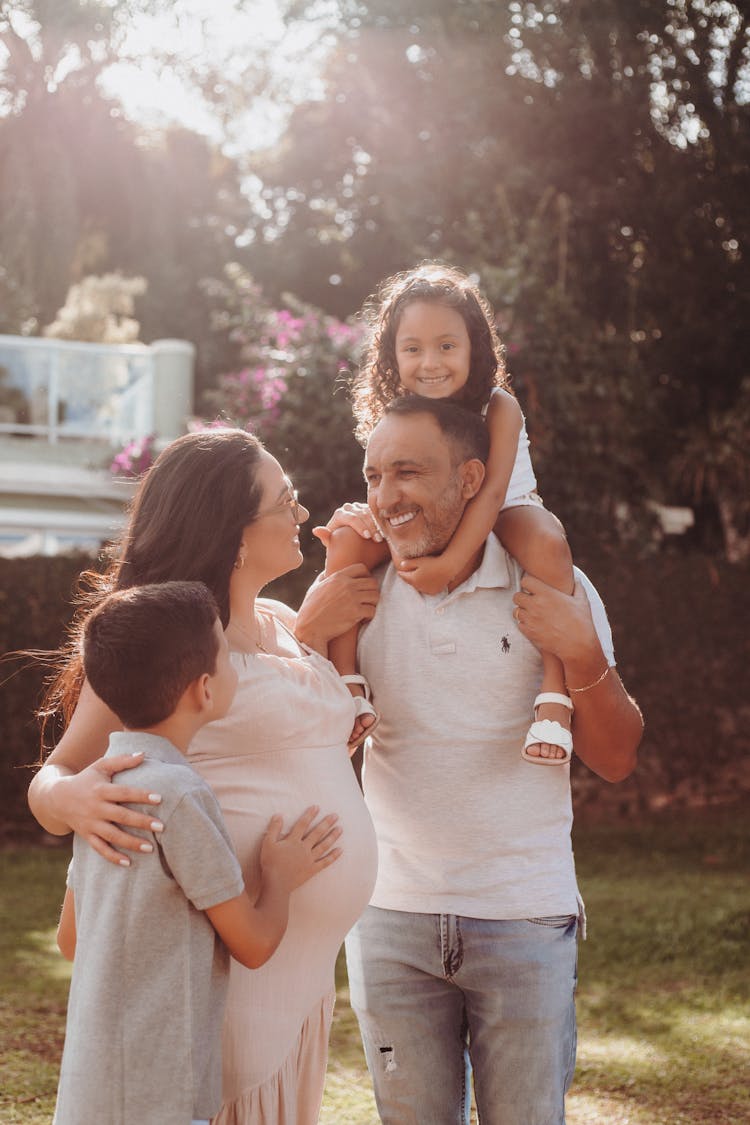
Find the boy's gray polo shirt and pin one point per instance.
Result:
(143, 1036)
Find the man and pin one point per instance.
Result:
(468, 948)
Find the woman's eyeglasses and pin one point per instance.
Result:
(291, 502)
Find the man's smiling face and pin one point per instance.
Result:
(414, 487)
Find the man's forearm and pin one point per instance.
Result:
(335, 604)
(607, 723)
(308, 627)
(607, 728)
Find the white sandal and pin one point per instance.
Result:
(549, 731)
(363, 706)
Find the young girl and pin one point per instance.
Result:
(433, 334)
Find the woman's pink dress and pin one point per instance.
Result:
(281, 748)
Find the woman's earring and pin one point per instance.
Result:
(239, 562)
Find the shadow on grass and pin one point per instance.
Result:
(664, 1028)
(664, 1025)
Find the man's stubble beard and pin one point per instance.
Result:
(438, 533)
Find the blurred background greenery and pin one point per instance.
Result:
(241, 174)
(261, 166)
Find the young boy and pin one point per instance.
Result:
(142, 1042)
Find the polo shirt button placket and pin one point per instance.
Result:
(442, 644)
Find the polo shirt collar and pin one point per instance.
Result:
(152, 745)
(492, 573)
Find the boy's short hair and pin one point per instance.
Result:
(144, 646)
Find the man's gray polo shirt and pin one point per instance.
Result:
(465, 826)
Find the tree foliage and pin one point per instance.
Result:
(87, 192)
(590, 163)
(288, 385)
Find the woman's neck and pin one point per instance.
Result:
(242, 625)
(248, 629)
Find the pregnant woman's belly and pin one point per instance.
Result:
(337, 896)
(250, 791)
(266, 1007)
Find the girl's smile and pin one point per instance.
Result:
(433, 350)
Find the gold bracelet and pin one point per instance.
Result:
(588, 687)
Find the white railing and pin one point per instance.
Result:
(56, 389)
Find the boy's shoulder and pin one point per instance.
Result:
(164, 770)
(194, 845)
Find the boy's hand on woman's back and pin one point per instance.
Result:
(289, 859)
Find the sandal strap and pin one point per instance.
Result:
(553, 697)
(363, 706)
(554, 733)
(357, 679)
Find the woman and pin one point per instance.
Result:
(217, 507)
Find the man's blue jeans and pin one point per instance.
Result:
(439, 997)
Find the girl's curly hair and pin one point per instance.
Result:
(377, 381)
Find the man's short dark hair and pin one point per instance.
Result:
(143, 647)
(466, 430)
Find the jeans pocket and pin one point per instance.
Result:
(554, 921)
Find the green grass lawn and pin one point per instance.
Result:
(664, 1018)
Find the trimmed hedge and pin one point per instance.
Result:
(35, 606)
(680, 623)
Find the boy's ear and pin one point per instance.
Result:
(200, 693)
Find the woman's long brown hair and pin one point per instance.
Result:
(185, 523)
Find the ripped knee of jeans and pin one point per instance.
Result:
(388, 1059)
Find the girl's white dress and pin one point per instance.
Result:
(281, 748)
(522, 484)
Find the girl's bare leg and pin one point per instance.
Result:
(345, 547)
(536, 539)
